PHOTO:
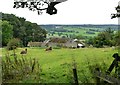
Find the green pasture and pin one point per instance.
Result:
(57, 64)
(76, 31)
(82, 31)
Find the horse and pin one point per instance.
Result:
(48, 49)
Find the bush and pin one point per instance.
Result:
(14, 43)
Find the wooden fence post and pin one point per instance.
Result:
(97, 78)
(75, 76)
(97, 81)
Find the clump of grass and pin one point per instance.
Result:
(22, 69)
(102, 68)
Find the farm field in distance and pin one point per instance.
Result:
(73, 32)
(70, 31)
(57, 64)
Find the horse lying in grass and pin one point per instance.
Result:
(23, 52)
(48, 49)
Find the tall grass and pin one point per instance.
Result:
(22, 69)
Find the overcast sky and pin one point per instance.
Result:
(69, 12)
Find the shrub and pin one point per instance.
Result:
(14, 43)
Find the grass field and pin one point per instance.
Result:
(73, 32)
(57, 64)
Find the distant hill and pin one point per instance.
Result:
(104, 26)
(73, 31)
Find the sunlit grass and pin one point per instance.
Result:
(57, 64)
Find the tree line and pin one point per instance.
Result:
(19, 28)
(108, 37)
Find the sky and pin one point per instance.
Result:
(69, 12)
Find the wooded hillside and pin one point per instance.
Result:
(18, 27)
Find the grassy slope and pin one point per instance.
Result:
(82, 31)
(57, 64)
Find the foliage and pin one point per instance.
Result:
(7, 32)
(79, 37)
(15, 70)
(90, 32)
(117, 38)
(14, 43)
(105, 38)
(25, 30)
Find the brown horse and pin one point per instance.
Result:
(24, 51)
(48, 49)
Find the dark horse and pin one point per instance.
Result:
(47, 49)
